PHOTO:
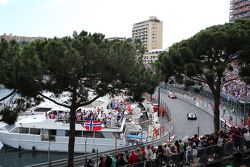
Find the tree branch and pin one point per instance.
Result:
(63, 105)
(6, 97)
(90, 101)
(229, 80)
(196, 79)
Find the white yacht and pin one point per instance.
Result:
(36, 132)
(42, 132)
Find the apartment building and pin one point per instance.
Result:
(151, 56)
(239, 9)
(116, 38)
(149, 32)
(20, 39)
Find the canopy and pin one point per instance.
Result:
(134, 137)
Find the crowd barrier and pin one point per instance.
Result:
(209, 156)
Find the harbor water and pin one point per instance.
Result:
(10, 157)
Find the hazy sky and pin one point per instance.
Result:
(114, 18)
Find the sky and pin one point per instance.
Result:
(113, 18)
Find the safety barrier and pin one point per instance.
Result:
(209, 156)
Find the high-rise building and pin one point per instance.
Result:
(239, 9)
(149, 32)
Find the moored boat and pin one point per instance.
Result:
(50, 130)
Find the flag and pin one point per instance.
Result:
(129, 107)
(93, 125)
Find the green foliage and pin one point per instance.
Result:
(205, 57)
(171, 81)
(179, 79)
(8, 52)
(9, 115)
(79, 64)
(26, 78)
(245, 74)
(189, 83)
(164, 66)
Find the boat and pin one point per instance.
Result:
(49, 130)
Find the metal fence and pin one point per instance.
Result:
(209, 156)
(230, 103)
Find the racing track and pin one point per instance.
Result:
(184, 128)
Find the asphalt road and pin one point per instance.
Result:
(187, 128)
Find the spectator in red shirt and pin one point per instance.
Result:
(133, 158)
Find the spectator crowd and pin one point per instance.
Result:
(111, 116)
(235, 86)
(186, 151)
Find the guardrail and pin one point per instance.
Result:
(209, 156)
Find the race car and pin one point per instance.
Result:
(173, 96)
(191, 116)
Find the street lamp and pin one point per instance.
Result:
(159, 99)
(245, 101)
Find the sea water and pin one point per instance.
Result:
(11, 157)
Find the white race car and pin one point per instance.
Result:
(191, 116)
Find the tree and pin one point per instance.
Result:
(11, 77)
(245, 56)
(8, 51)
(86, 62)
(205, 58)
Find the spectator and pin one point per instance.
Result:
(182, 150)
(148, 153)
(102, 162)
(189, 152)
(90, 163)
(177, 145)
(196, 140)
(142, 153)
(127, 155)
(113, 161)
(108, 161)
(221, 140)
(133, 158)
(168, 151)
(247, 139)
(159, 152)
(120, 160)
